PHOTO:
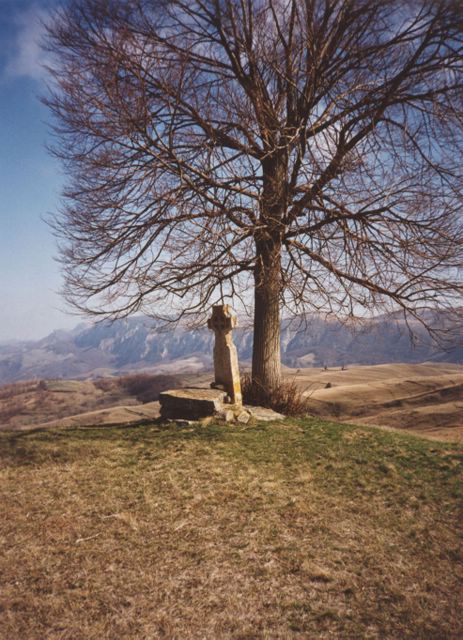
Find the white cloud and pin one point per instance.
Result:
(27, 58)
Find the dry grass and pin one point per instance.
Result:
(301, 530)
(288, 399)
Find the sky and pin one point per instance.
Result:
(30, 182)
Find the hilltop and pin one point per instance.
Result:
(301, 529)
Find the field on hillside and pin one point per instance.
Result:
(423, 398)
(44, 403)
(303, 529)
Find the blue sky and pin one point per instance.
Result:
(30, 181)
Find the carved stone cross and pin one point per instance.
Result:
(227, 375)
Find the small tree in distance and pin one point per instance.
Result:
(306, 150)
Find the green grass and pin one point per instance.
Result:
(306, 529)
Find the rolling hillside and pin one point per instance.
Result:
(426, 399)
(423, 398)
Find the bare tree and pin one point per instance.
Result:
(306, 150)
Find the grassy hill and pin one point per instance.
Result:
(306, 529)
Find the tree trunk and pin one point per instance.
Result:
(266, 367)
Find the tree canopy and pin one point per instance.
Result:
(308, 151)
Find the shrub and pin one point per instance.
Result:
(145, 387)
(10, 408)
(17, 388)
(287, 399)
(106, 384)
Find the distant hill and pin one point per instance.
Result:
(137, 343)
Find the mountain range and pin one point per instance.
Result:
(139, 343)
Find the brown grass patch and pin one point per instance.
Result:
(425, 398)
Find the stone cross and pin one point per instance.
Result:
(227, 375)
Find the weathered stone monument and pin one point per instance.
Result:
(223, 400)
(226, 371)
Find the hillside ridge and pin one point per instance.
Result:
(139, 343)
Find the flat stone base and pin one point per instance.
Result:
(196, 404)
(262, 414)
(191, 403)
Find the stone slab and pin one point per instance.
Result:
(243, 417)
(262, 414)
(191, 403)
(226, 415)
